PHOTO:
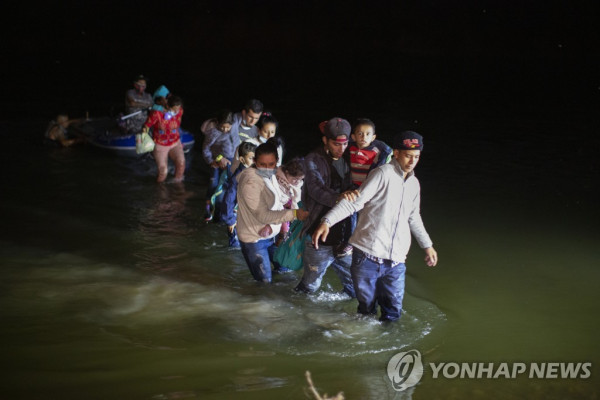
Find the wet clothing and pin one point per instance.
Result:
(378, 283)
(259, 205)
(134, 123)
(217, 143)
(165, 130)
(229, 203)
(258, 256)
(362, 161)
(390, 207)
(174, 151)
(325, 179)
(55, 139)
(315, 263)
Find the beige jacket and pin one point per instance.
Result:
(258, 205)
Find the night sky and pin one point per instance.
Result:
(336, 56)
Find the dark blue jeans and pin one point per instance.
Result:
(258, 256)
(376, 283)
(315, 263)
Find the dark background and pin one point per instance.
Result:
(512, 89)
(343, 57)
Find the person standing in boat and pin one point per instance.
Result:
(165, 132)
(137, 101)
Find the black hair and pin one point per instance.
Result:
(224, 117)
(294, 168)
(245, 148)
(175, 101)
(266, 148)
(363, 121)
(277, 141)
(267, 118)
(254, 105)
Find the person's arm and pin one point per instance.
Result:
(150, 121)
(315, 184)
(57, 135)
(345, 208)
(417, 228)
(131, 101)
(229, 201)
(253, 191)
(385, 154)
(209, 139)
(235, 128)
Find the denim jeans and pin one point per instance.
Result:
(234, 242)
(315, 263)
(258, 256)
(376, 283)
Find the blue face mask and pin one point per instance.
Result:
(267, 173)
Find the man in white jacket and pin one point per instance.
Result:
(390, 203)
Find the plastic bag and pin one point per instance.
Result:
(143, 143)
(289, 253)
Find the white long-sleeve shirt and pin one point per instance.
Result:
(390, 212)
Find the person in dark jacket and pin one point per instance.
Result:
(229, 202)
(327, 181)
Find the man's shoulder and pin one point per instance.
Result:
(315, 159)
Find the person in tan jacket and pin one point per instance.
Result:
(260, 212)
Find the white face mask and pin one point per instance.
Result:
(267, 173)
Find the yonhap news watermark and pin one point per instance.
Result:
(406, 369)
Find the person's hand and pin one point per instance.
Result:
(320, 233)
(280, 239)
(265, 231)
(302, 214)
(431, 257)
(230, 228)
(223, 163)
(349, 195)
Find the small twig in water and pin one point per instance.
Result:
(311, 386)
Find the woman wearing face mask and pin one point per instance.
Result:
(258, 205)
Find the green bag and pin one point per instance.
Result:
(143, 143)
(289, 253)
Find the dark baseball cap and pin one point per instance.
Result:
(336, 127)
(408, 140)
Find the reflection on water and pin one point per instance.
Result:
(113, 287)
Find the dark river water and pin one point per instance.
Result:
(113, 286)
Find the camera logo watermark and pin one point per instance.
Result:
(406, 370)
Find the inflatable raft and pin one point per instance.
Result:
(106, 134)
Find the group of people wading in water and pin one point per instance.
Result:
(358, 199)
